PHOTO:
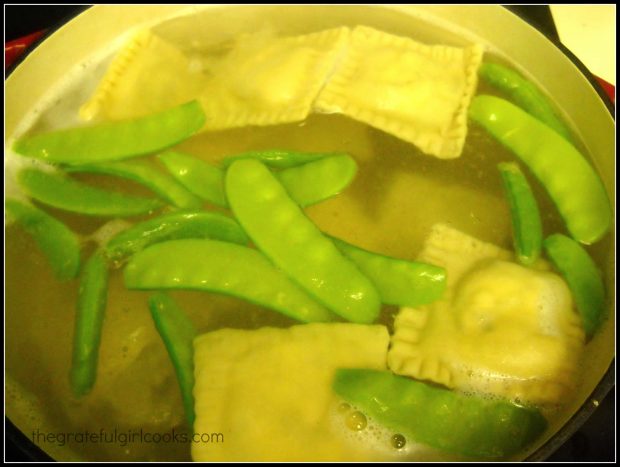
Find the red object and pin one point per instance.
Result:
(14, 49)
(610, 89)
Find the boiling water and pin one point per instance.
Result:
(398, 195)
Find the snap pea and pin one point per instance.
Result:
(307, 184)
(279, 158)
(142, 173)
(175, 226)
(523, 93)
(115, 140)
(279, 228)
(54, 189)
(316, 181)
(582, 276)
(91, 304)
(526, 224)
(399, 282)
(58, 243)
(178, 332)
(569, 179)
(201, 178)
(444, 419)
(215, 266)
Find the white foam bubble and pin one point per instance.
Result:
(58, 108)
(374, 438)
(103, 234)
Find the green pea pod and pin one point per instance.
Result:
(279, 158)
(54, 189)
(583, 278)
(91, 306)
(567, 176)
(526, 224)
(58, 243)
(316, 181)
(523, 93)
(142, 173)
(279, 228)
(307, 184)
(399, 282)
(441, 418)
(178, 332)
(215, 266)
(115, 140)
(175, 226)
(201, 178)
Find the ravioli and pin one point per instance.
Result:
(148, 75)
(417, 92)
(268, 81)
(500, 329)
(268, 391)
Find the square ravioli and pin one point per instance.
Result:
(268, 81)
(500, 329)
(146, 76)
(417, 92)
(268, 391)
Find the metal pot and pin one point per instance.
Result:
(564, 80)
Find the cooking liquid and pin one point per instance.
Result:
(398, 194)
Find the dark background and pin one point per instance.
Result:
(594, 441)
(21, 20)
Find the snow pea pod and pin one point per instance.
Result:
(58, 243)
(142, 173)
(307, 184)
(215, 266)
(92, 300)
(582, 276)
(175, 226)
(54, 189)
(523, 93)
(279, 158)
(279, 228)
(399, 282)
(316, 181)
(115, 140)
(526, 224)
(201, 178)
(178, 332)
(444, 419)
(567, 176)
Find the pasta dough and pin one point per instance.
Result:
(500, 329)
(267, 81)
(263, 80)
(417, 92)
(148, 75)
(268, 391)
